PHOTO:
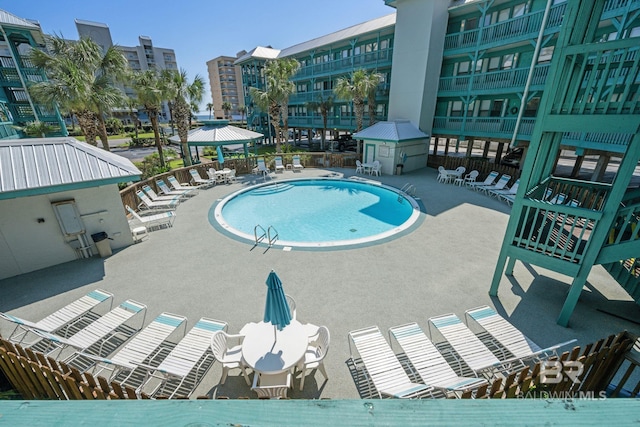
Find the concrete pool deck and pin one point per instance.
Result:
(445, 265)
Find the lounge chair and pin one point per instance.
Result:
(430, 365)
(147, 203)
(164, 189)
(382, 366)
(97, 333)
(261, 167)
(190, 356)
(506, 191)
(143, 346)
(60, 319)
(297, 166)
(489, 180)
(508, 336)
(279, 166)
(156, 198)
(471, 350)
(198, 180)
(173, 182)
(500, 185)
(154, 221)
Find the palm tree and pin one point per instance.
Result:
(132, 105)
(275, 98)
(81, 79)
(185, 97)
(210, 108)
(356, 89)
(150, 92)
(323, 106)
(242, 109)
(371, 85)
(226, 107)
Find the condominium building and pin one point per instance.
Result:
(17, 108)
(322, 61)
(144, 56)
(225, 81)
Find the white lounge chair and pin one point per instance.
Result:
(382, 366)
(191, 355)
(506, 191)
(147, 203)
(261, 168)
(173, 182)
(279, 166)
(428, 362)
(517, 343)
(198, 180)
(500, 185)
(97, 333)
(489, 180)
(139, 349)
(60, 319)
(156, 198)
(153, 221)
(297, 166)
(471, 350)
(164, 189)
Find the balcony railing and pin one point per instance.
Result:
(505, 79)
(381, 57)
(516, 28)
(498, 127)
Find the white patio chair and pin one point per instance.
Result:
(506, 191)
(273, 386)
(517, 343)
(297, 166)
(315, 354)
(468, 178)
(279, 166)
(375, 169)
(442, 175)
(227, 349)
(359, 167)
(153, 221)
(141, 347)
(60, 319)
(489, 180)
(427, 361)
(198, 180)
(232, 178)
(147, 203)
(292, 306)
(189, 357)
(382, 366)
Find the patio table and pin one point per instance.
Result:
(223, 175)
(264, 353)
(367, 167)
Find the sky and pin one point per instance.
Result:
(199, 31)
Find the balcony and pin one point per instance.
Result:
(493, 82)
(483, 127)
(510, 31)
(365, 60)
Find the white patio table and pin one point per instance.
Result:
(264, 353)
(223, 175)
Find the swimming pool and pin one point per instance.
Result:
(317, 213)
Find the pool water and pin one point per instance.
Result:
(318, 212)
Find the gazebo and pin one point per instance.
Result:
(218, 133)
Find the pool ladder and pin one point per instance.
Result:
(259, 234)
(409, 190)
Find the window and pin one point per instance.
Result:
(470, 24)
(531, 109)
(509, 61)
(485, 106)
(384, 44)
(317, 86)
(496, 110)
(301, 87)
(494, 63)
(546, 53)
(463, 68)
(456, 109)
(479, 65)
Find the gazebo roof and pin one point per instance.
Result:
(218, 132)
(394, 131)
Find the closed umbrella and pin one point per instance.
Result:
(220, 155)
(276, 310)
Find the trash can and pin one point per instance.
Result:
(399, 169)
(102, 243)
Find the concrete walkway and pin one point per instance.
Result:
(444, 266)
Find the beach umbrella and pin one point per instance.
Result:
(220, 155)
(276, 310)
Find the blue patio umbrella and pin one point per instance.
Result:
(220, 155)
(276, 310)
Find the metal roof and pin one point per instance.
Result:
(7, 18)
(220, 133)
(341, 35)
(49, 165)
(394, 131)
(260, 52)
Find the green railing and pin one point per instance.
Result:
(565, 191)
(492, 80)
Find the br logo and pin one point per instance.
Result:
(555, 371)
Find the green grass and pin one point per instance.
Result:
(120, 136)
